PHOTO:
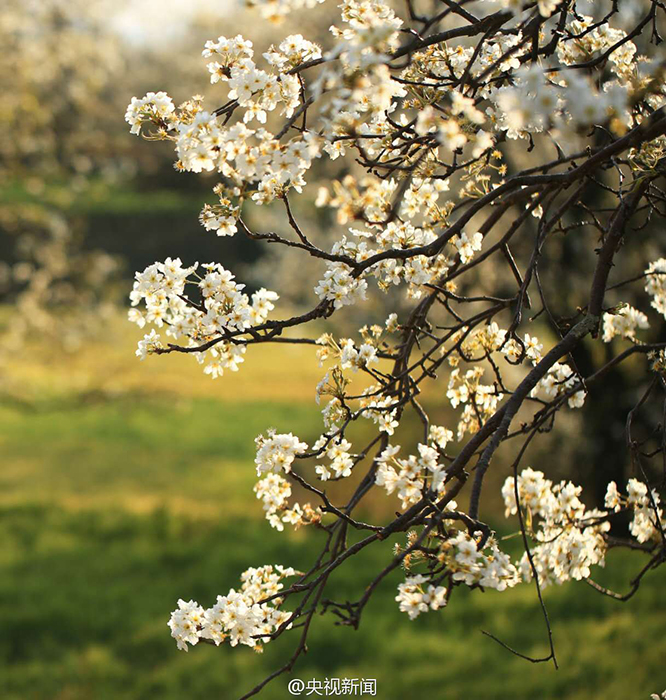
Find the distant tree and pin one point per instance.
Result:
(59, 67)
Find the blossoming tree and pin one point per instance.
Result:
(56, 105)
(473, 140)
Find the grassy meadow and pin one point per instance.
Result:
(126, 485)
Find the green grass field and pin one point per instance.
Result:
(127, 485)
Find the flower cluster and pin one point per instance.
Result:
(274, 491)
(225, 310)
(342, 461)
(156, 107)
(569, 537)
(339, 283)
(467, 245)
(560, 379)
(655, 284)
(472, 560)
(623, 322)
(275, 455)
(658, 361)
(479, 400)
(346, 354)
(242, 155)
(415, 598)
(648, 518)
(340, 286)
(240, 617)
(276, 452)
(588, 40)
(478, 565)
(371, 31)
(383, 412)
(276, 10)
(410, 476)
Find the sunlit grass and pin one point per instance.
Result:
(285, 373)
(85, 597)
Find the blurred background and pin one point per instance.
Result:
(126, 485)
